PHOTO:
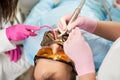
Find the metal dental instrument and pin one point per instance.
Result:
(75, 15)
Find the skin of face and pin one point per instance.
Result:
(57, 70)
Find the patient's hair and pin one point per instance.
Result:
(50, 76)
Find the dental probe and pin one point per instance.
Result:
(74, 15)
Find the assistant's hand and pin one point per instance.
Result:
(15, 54)
(79, 51)
(20, 32)
(81, 22)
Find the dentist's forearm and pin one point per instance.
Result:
(107, 29)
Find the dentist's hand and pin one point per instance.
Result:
(20, 32)
(15, 54)
(81, 22)
(79, 51)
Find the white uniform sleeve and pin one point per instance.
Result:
(5, 44)
(109, 69)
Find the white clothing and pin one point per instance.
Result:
(110, 68)
(5, 44)
(11, 70)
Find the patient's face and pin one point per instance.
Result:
(56, 70)
(46, 68)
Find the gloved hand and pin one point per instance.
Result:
(79, 51)
(14, 54)
(81, 22)
(20, 32)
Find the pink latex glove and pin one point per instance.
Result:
(14, 54)
(81, 22)
(20, 32)
(79, 51)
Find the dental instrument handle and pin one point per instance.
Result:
(75, 15)
(77, 11)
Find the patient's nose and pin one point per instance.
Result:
(55, 47)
